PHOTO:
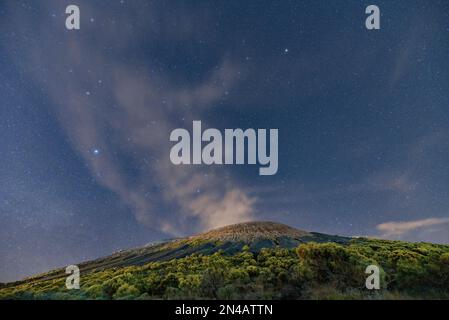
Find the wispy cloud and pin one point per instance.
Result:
(127, 112)
(399, 228)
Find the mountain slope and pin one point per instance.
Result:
(255, 260)
(230, 240)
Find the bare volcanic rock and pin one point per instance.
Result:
(249, 232)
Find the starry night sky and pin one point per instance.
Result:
(85, 119)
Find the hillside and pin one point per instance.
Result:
(230, 239)
(252, 260)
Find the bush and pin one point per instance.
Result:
(126, 291)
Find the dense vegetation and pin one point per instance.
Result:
(310, 271)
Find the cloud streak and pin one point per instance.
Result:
(128, 112)
(399, 228)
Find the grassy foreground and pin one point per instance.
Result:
(309, 271)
